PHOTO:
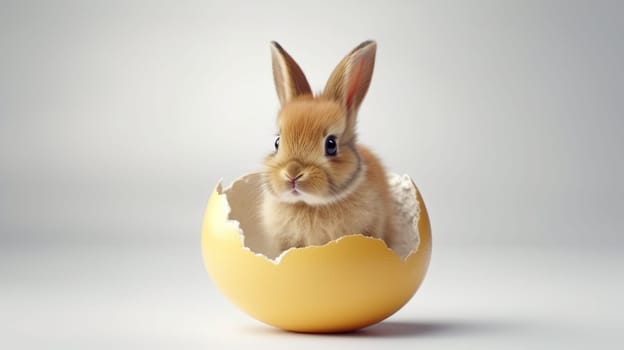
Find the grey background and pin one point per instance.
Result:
(118, 118)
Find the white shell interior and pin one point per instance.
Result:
(244, 197)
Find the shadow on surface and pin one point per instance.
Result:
(408, 329)
(397, 329)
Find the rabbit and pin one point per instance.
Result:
(320, 184)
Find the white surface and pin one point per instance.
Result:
(497, 297)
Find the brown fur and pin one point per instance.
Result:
(342, 194)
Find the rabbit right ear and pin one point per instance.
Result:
(349, 81)
(290, 81)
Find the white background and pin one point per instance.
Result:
(118, 118)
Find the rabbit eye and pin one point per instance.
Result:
(331, 146)
(277, 143)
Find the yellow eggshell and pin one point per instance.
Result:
(347, 284)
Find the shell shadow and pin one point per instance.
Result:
(408, 329)
(418, 329)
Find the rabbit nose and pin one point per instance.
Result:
(293, 180)
(292, 172)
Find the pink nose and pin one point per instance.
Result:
(293, 180)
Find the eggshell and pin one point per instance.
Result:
(349, 283)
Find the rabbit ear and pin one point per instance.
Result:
(349, 81)
(289, 79)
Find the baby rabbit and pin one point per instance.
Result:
(320, 184)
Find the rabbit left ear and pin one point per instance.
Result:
(289, 79)
(350, 80)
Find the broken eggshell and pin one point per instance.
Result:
(346, 284)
